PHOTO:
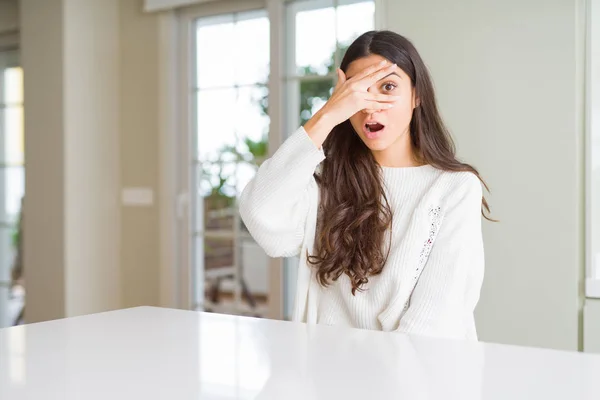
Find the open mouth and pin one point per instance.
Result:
(373, 127)
(373, 130)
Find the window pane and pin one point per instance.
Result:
(232, 49)
(353, 20)
(215, 41)
(212, 197)
(197, 271)
(13, 184)
(216, 194)
(13, 85)
(251, 119)
(5, 305)
(215, 123)
(219, 215)
(252, 126)
(315, 47)
(219, 273)
(254, 264)
(230, 142)
(7, 253)
(313, 95)
(252, 49)
(13, 135)
(218, 252)
(220, 276)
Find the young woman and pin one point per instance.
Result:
(369, 192)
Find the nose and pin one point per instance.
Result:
(371, 89)
(370, 113)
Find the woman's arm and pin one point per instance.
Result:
(445, 296)
(275, 203)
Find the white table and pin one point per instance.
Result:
(151, 353)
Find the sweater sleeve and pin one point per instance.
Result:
(444, 298)
(275, 203)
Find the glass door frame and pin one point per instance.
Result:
(186, 21)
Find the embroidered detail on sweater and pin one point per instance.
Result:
(435, 217)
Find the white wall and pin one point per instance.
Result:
(157, 5)
(92, 81)
(591, 323)
(139, 96)
(509, 79)
(9, 15)
(9, 24)
(91, 124)
(594, 93)
(44, 243)
(592, 307)
(70, 57)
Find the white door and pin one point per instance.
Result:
(226, 102)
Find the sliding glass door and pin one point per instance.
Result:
(12, 187)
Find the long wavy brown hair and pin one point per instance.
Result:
(354, 213)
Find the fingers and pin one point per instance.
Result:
(373, 102)
(385, 98)
(377, 75)
(370, 70)
(370, 110)
(370, 106)
(341, 78)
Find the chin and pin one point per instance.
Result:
(378, 144)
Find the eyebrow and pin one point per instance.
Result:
(393, 73)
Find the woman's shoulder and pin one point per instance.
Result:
(452, 185)
(461, 179)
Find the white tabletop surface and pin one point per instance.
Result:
(152, 353)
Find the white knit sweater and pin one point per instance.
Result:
(431, 281)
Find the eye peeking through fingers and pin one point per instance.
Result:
(388, 86)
